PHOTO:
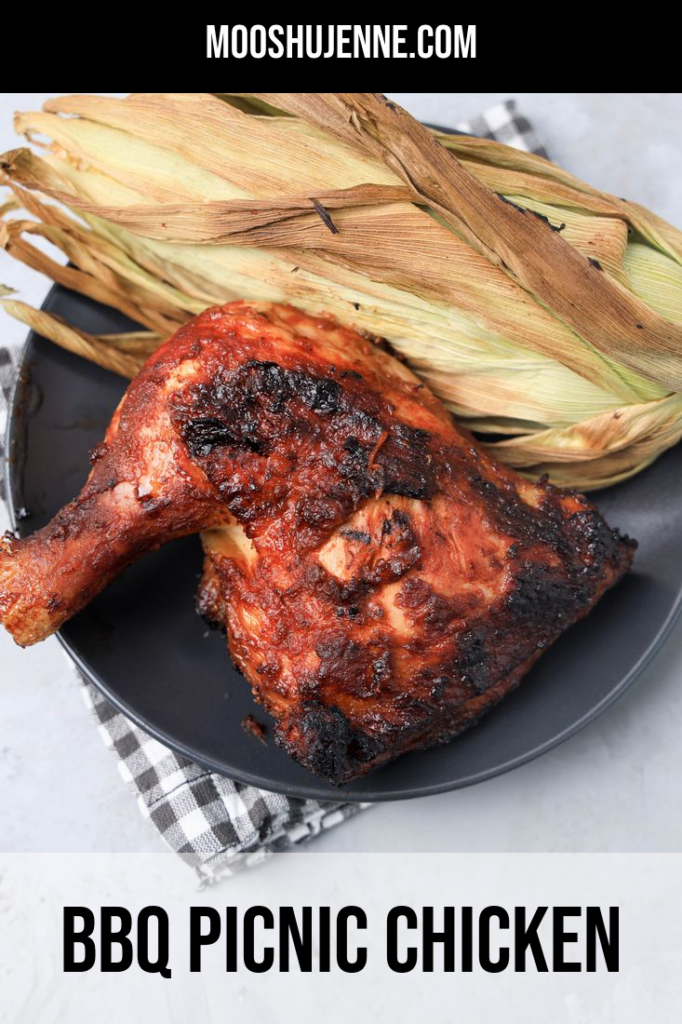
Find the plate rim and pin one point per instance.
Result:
(314, 789)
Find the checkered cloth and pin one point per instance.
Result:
(216, 825)
(504, 124)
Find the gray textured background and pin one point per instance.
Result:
(614, 787)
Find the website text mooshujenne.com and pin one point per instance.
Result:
(325, 41)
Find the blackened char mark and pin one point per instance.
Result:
(204, 434)
(407, 463)
(321, 738)
(259, 402)
(234, 403)
(354, 460)
(545, 599)
(601, 544)
(360, 535)
(584, 542)
(252, 406)
(320, 394)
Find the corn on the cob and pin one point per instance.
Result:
(541, 310)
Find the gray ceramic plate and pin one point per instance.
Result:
(143, 645)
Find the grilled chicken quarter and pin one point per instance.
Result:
(383, 582)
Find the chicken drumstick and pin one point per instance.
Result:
(383, 581)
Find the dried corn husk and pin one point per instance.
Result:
(538, 308)
(122, 353)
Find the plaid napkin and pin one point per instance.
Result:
(216, 825)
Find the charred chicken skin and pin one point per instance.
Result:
(382, 581)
